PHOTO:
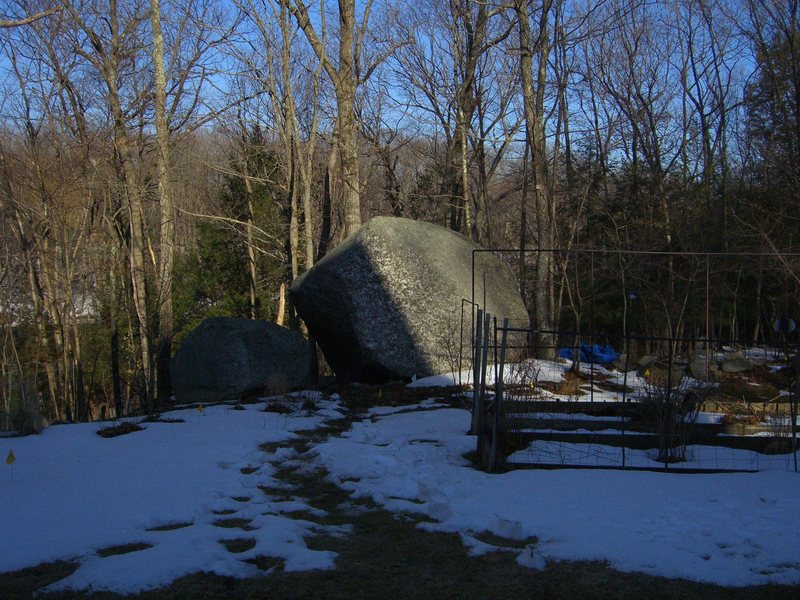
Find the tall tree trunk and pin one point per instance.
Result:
(308, 220)
(348, 152)
(327, 203)
(252, 265)
(167, 211)
(136, 253)
(480, 224)
(345, 77)
(116, 376)
(280, 315)
(305, 164)
(533, 101)
(345, 88)
(523, 224)
(466, 217)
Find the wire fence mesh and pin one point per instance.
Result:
(679, 361)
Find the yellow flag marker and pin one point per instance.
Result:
(10, 458)
(200, 408)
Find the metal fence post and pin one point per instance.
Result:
(480, 403)
(476, 371)
(498, 400)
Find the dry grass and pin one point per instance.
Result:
(746, 391)
(739, 418)
(359, 397)
(281, 408)
(122, 428)
(161, 419)
(569, 386)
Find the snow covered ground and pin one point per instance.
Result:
(70, 494)
(730, 529)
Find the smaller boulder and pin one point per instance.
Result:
(735, 362)
(663, 377)
(647, 360)
(701, 368)
(230, 359)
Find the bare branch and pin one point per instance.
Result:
(5, 24)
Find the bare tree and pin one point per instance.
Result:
(491, 135)
(440, 75)
(710, 54)
(41, 170)
(110, 55)
(351, 68)
(533, 95)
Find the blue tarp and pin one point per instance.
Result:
(593, 353)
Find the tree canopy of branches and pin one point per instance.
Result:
(166, 160)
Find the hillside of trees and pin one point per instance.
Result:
(162, 161)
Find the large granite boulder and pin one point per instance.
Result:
(228, 359)
(387, 302)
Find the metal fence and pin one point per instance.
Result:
(703, 378)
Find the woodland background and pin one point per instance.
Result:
(162, 161)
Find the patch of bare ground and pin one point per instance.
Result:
(123, 549)
(610, 386)
(359, 397)
(411, 564)
(746, 398)
(745, 390)
(570, 384)
(118, 429)
(23, 584)
(238, 545)
(243, 524)
(266, 563)
(172, 526)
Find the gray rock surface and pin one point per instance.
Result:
(621, 363)
(736, 363)
(386, 303)
(228, 358)
(647, 360)
(703, 369)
